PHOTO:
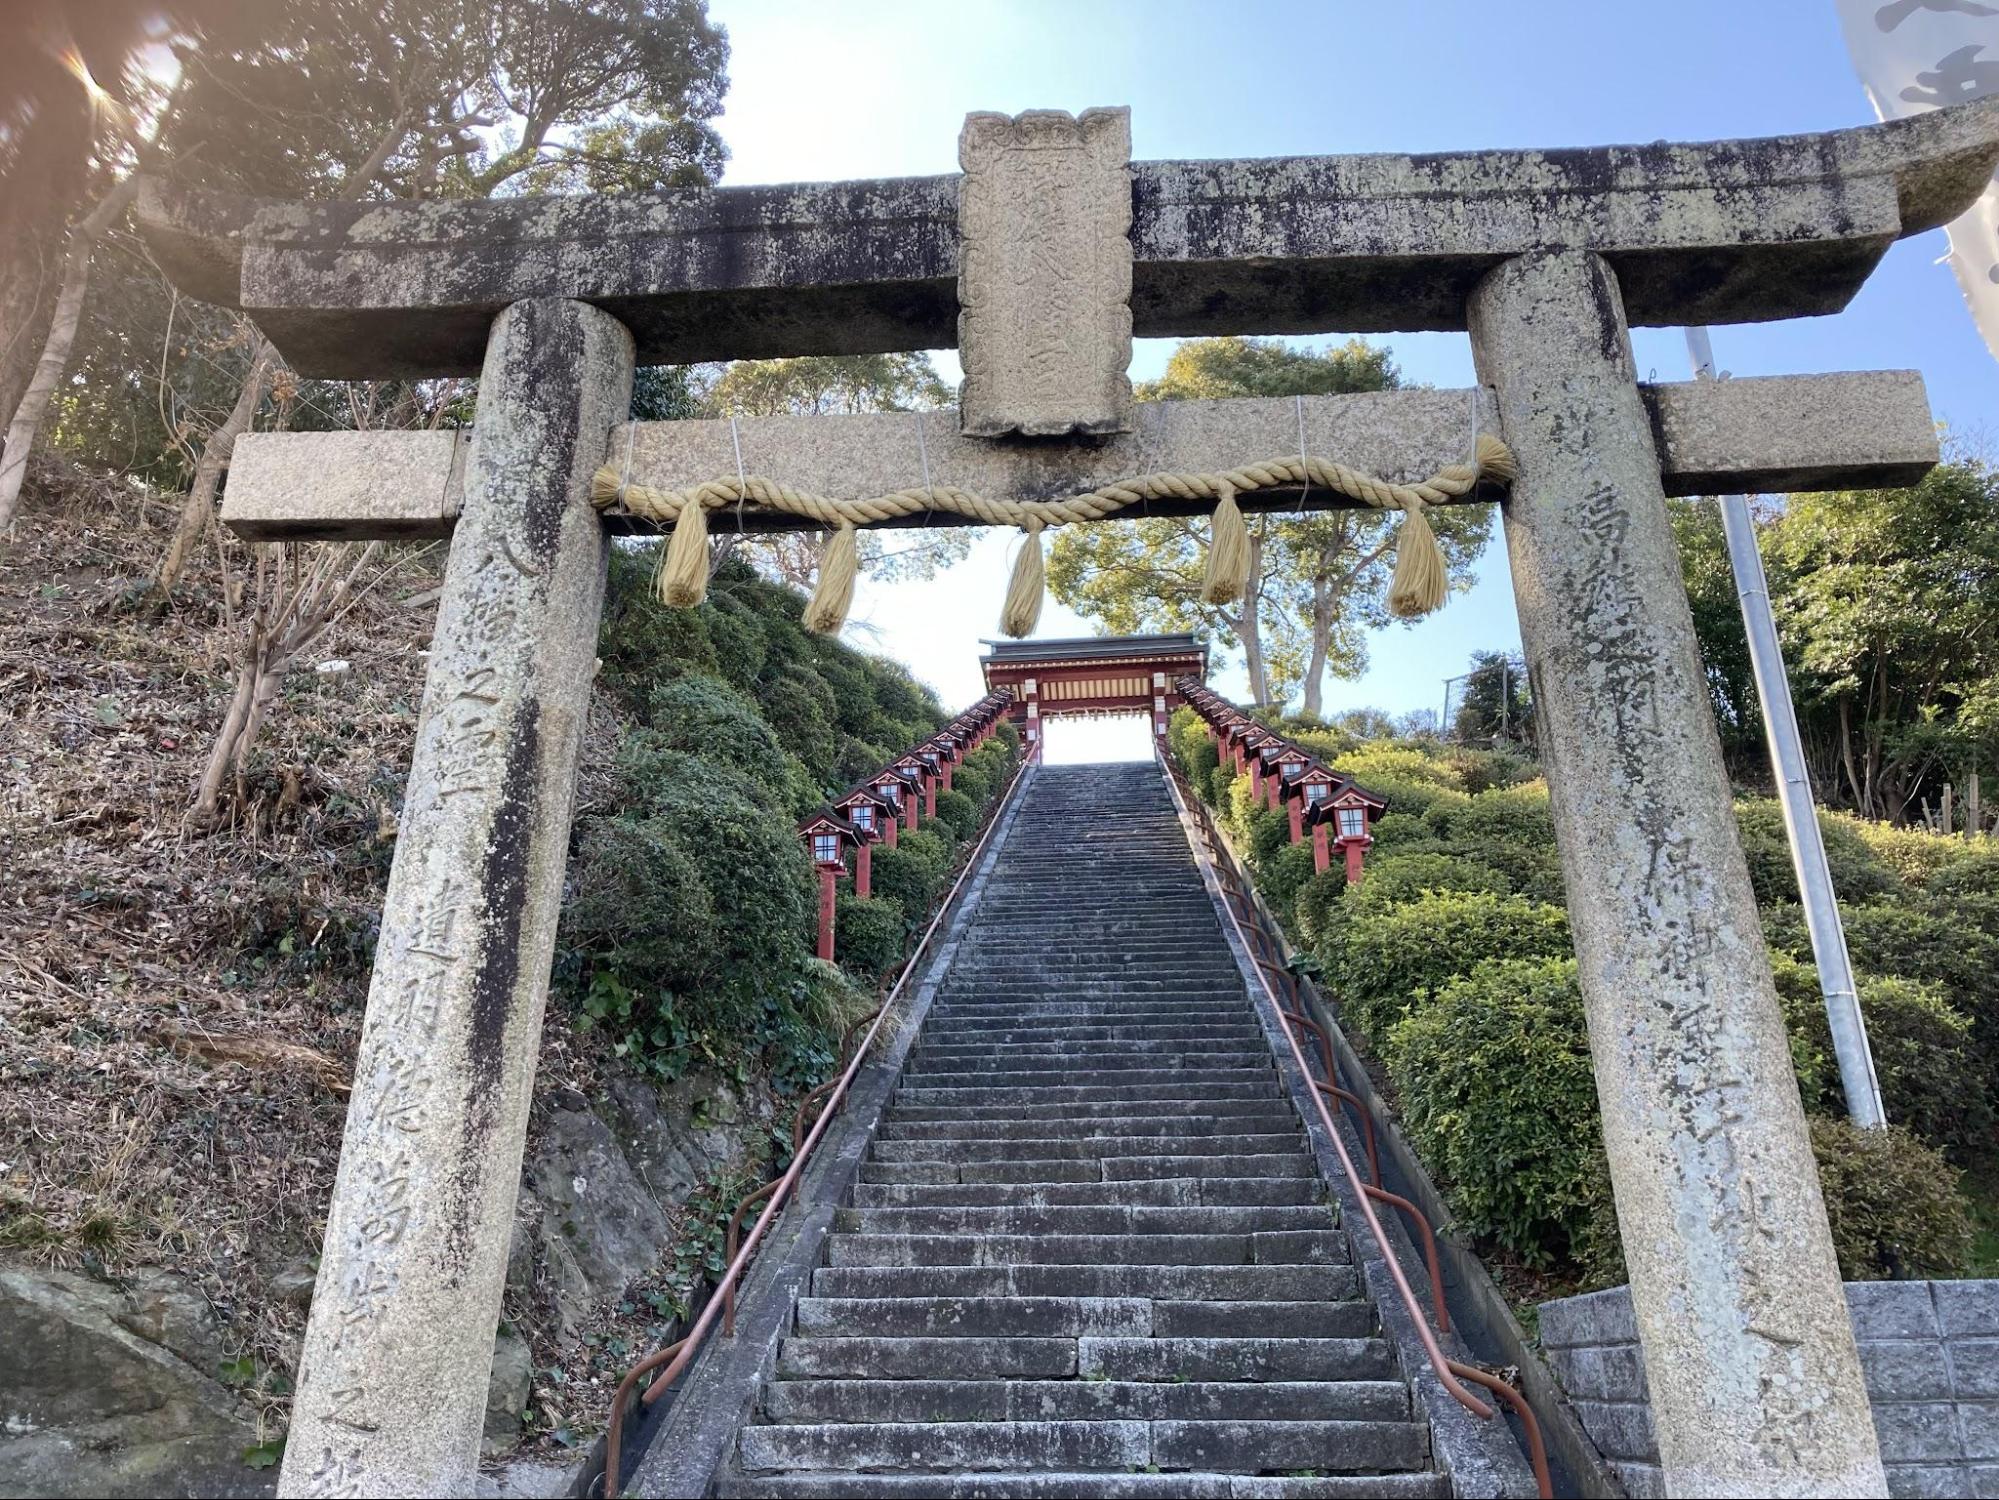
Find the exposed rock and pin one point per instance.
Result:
(507, 1393)
(529, 1479)
(295, 1282)
(601, 1225)
(110, 1390)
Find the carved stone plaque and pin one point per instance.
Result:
(1044, 272)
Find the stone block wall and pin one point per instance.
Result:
(1929, 1351)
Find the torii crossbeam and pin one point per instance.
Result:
(1545, 257)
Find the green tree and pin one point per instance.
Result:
(837, 385)
(1317, 580)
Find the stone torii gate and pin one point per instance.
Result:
(1041, 261)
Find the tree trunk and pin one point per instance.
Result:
(27, 419)
(50, 169)
(1322, 642)
(199, 511)
(1252, 624)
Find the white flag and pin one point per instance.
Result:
(1917, 55)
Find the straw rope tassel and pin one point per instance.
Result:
(683, 574)
(826, 610)
(1420, 583)
(1228, 552)
(1023, 594)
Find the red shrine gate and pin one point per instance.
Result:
(1095, 676)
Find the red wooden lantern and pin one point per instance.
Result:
(894, 789)
(922, 779)
(826, 836)
(1353, 810)
(1286, 766)
(873, 819)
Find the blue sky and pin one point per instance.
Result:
(871, 90)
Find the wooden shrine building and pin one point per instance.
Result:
(1097, 676)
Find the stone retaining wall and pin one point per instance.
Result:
(1929, 1350)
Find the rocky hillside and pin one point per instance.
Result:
(179, 1007)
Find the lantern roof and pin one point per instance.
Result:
(827, 821)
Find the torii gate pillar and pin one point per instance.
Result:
(392, 1378)
(1755, 1381)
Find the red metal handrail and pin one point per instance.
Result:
(1447, 1370)
(676, 1357)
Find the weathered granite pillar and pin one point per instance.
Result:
(392, 1381)
(1755, 1380)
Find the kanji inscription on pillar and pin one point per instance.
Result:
(1044, 272)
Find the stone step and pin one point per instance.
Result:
(1075, 1317)
(1084, 1400)
(1072, 1485)
(1216, 1170)
(1226, 1358)
(1085, 1147)
(999, 1032)
(1098, 1081)
(1265, 1122)
(1247, 1447)
(1162, 1192)
(1324, 1246)
(1216, 1283)
(977, 1061)
(1130, 1091)
(1085, 1220)
(1269, 1113)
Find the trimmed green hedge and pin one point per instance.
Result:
(869, 933)
(1391, 959)
(1498, 1098)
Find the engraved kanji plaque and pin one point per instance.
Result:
(1044, 272)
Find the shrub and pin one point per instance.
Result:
(747, 851)
(1967, 872)
(932, 843)
(799, 710)
(1265, 832)
(869, 932)
(1484, 770)
(1932, 1078)
(1914, 854)
(1498, 1098)
(1282, 876)
(1858, 873)
(740, 642)
(970, 780)
(1387, 761)
(1516, 815)
(705, 716)
(1402, 877)
(1390, 959)
(1950, 942)
(1894, 1204)
(906, 877)
(1402, 833)
(1320, 907)
(959, 812)
(639, 907)
(1407, 794)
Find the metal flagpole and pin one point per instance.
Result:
(1794, 791)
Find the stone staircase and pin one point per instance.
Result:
(1089, 1253)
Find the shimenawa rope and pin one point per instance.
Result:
(1419, 584)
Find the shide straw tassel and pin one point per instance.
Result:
(826, 610)
(1422, 582)
(1023, 594)
(683, 573)
(1228, 552)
